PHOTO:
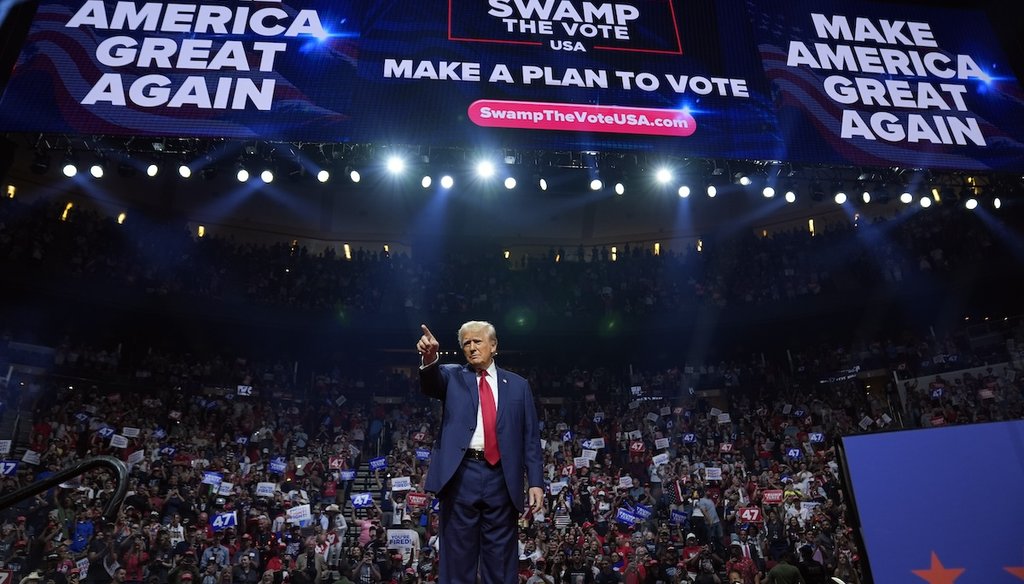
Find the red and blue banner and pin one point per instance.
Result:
(799, 80)
(940, 504)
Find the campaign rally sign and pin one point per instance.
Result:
(299, 513)
(130, 432)
(225, 489)
(794, 453)
(335, 462)
(277, 465)
(626, 482)
(652, 417)
(642, 511)
(589, 454)
(5, 447)
(626, 517)
(798, 413)
(212, 478)
(9, 467)
(379, 463)
(402, 539)
(105, 432)
(816, 437)
(556, 487)
(598, 417)
(580, 462)
(725, 447)
(30, 457)
(749, 515)
(264, 489)
(168, 451)
(417, 500)
(118, 441)
(419, 436)
(594, 443)
(422, 454)
(244, 390)
(660, 459)
(678, 518)
(347, 475)
(636, 447)
(713, 473)
(159, 433)
(136, 457)
(772, 497)
(362, 500)
(689, 438)
(242, 440)
(224, 520)
(724, 418)
(401, 484)
(661, 443)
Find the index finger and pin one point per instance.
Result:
(426, 331)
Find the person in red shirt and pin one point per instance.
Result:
(745, 566)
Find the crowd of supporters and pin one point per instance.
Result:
(729, 270)
(647, 481)
(244, 471)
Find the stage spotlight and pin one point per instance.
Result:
(69, 169)
(712, 191)
(971, 204)
(596, 184)
(97, 170)
(620, 189)
(926, 202)
(997, 203)
(184, 171)
(485, 169)
(906, 198)
(395, 164)
(744, 180)
(323, 175)
(866, 197)
(840, 198)
(121, 218)
(242, 175)
(354, 176)
(684, 191)
(267, 176)
(543, 183)
(790, 197)
(152, 170)
(768, 192)
(510, 182)
(447, 181)
(426, 181)
(663, 176)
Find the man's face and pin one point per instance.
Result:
(478, 348)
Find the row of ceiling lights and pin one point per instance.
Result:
(487, 170)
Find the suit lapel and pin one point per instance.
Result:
(503, 395)
(469, 378)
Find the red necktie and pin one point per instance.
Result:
(489, 414)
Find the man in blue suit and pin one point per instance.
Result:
(489, 436)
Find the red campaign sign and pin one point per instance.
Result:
(938, 421)
(726, 447)
(569, 470)
(772, 497)
(749, 515)
(419, 436)
(636, 446)
(6, 577)
(416, 499)
(335, 462)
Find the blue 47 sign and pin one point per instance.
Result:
(8, 468)
(224, 521)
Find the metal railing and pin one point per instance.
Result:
(116, 466)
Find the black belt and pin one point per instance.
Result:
(474, 454)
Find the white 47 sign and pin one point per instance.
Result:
(6, 576)
(749, 515)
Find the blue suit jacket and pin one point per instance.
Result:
(518, 428)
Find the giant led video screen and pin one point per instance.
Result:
(813, 81)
